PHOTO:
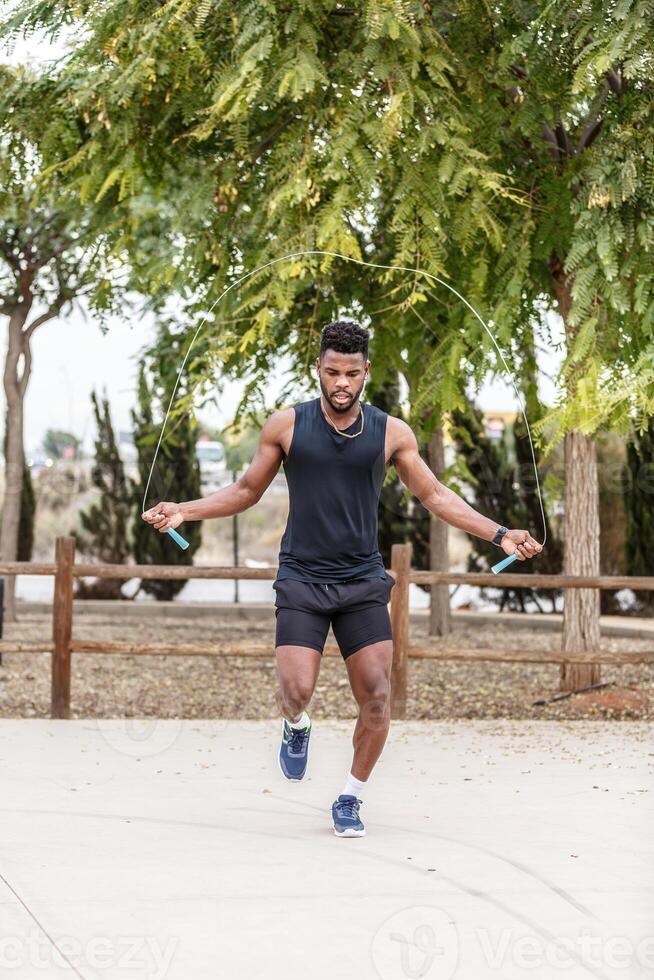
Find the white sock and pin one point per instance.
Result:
(302, 722)
(353, 786)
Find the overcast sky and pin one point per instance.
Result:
(71, 357)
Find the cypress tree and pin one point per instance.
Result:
(611, 460)
(524, 485)
(639, 484)
(176, 477)
(27, 515)
(104, 524)
(486, 465)
(397, 520)
(27, 512)
(57, 441)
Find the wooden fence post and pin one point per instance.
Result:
(62, 627)
(401, 566)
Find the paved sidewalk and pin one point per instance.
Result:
(176, 849)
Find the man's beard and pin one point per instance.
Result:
(341, 409)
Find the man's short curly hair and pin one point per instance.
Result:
(345, 337)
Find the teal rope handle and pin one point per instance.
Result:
(502, 564)
(178, 539)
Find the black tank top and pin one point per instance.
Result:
(334, 485)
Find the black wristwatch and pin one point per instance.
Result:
(501, 531)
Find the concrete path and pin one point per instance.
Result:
(176, 849)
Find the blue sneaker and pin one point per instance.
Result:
(345, 814)
(294, 750)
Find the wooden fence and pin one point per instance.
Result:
(63, 644)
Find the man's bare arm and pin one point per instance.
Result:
(238, 496)
(444, 502)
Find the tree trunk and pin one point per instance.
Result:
(440, 620)
(581, 609)
(15, 382)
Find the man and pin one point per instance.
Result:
(335, 451)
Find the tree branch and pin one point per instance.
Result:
(54, 253)
(593, 123)
(563, 140)
(39, 228)
(337, 12)
(589, 134)
(10, 258)
(270, 138)
(50, 313)
(559, 142)
(27, 367)
(520, 72)
(549, 137)
(616, 84)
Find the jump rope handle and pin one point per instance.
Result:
(178, 539)
(502, 564)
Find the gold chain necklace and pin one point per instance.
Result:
(340, 431)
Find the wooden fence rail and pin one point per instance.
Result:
(63, 644)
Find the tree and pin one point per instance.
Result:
(50, 254)
(25, 543)
(562, 97)
(487, 469)
(639, 487)
(239, 444)
(611, 458)
(105, 524)
(399, 517)
(524, 483)
(276, 133)
(57, 444)
(505, 146)
(27, 515)
(176, 477)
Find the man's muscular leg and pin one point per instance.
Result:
(297, 673)
(369, 670)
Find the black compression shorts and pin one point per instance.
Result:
(356, 609)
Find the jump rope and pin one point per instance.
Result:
(179, 540)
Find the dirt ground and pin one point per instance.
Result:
(110, 686)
